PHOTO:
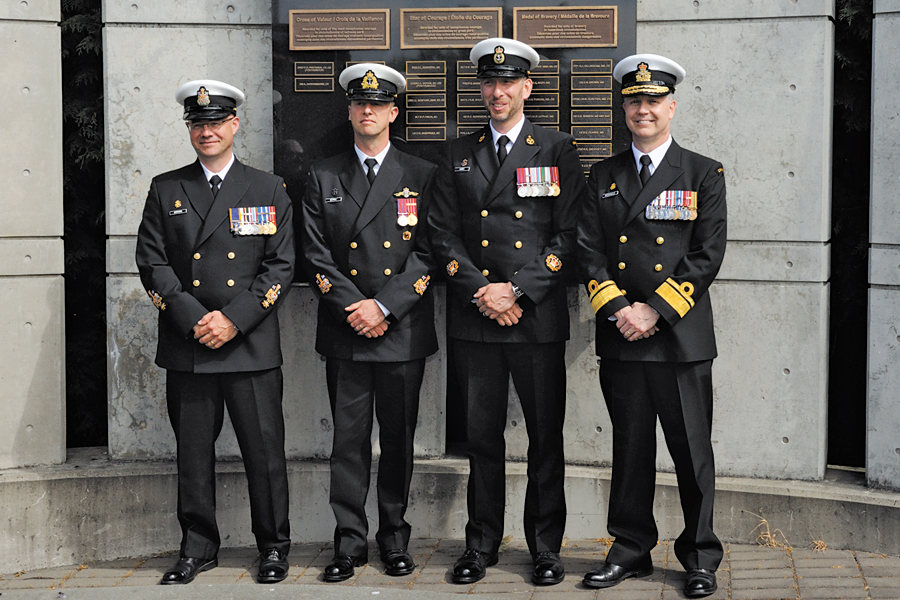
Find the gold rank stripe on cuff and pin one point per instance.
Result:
(677, 296)
(602, 293)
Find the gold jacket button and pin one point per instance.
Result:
(485, 272)
(484, 213)
(197, 256)
(623, 239)
(196, 283)
(660, 241)
(387, 244)
(518, 244)
(353, 272)
(231, 256)
(657, 268)
(387, 271)
(622, 266)
(484, 243)
(518, 214)
(353, 245)
(230, 282)
(623, 292)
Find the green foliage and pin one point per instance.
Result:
(85, 231)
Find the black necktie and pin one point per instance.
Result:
(645, 169)
(214, 181)
(370, 173)
(501, 148)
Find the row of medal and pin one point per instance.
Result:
(407, 212)
(253, 220)
(537, 181)
(673, 205)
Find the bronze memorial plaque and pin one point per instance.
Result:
(567, 27)
(426, 117)
(447, 27)
(426, 101)
(426, 67)
(313, 69)
(361, 29)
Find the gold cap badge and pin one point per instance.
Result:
(370, 82)
(499, 57)
(642, 73)
(202, 96)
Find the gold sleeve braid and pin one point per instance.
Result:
(677, 296)
(601, 293)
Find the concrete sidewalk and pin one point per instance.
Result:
(747, 573)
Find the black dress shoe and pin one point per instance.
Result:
(699, 583)
(341, 567)
(472, 566)
(609, 574)
(548, 569)
(397, 563)
(273, 566)
(186, 569)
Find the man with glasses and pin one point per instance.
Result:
(215, 252)
(368, 258)
(503, 229)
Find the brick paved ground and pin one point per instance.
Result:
(747, 573)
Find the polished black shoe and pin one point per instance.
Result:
(397, 563)
(472, 566)
(186, 569)
(699, 583)
(273, 566)
(548, 569)
(609, 574)
(341, 567)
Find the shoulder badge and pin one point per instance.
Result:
(481, 139)
(422, 284)
(499, 57)
(529, 140)
(157, 299)
(370, 82)
(721, 170)
(323, 283)
(271, 295)
(574, 143)
(452, 267)
(202, 96)
(553, 263)
(613, 186)
(464, 163)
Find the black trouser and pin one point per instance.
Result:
(539, 375)
(353, 388)
(196, 409)
(680, 394)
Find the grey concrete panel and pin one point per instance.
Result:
(665, 10)
(767, 261)
(886, 6)
(120, 255)
(31, 170)
(144, 132)
(770, 380)
(205, 12)
(884, 214)
(139, 426)
(32, 372)
(31, 256)
(883, 399)
(884, 266)
(775, 143)
(30, 10)
(92, 509)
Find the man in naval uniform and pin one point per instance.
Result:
(367, 256)
(503, 230)
(215, 251)
(650, 242)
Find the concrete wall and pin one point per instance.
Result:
(32, 363)
(882, 444)
(778, 171)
